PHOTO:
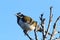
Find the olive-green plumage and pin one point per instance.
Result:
(27, 19)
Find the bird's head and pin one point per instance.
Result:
(19, 15)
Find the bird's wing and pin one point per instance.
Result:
(27, 19)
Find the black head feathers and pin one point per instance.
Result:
(19, 15)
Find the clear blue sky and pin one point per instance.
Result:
(9, 29)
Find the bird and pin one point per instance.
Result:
(27, 23)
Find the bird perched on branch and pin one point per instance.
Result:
(26, 23)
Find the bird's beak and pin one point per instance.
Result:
(17, 15)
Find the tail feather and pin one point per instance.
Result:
(38, 28)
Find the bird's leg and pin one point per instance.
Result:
(25, 32)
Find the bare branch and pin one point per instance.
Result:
(36, 38)
(42, 25)
(54, 28)
(25, 32)
(56, 39)
(50, 19)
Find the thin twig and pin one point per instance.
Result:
(35, 34)
(50, 19)
(54, 27)
(25, 32)
(42, 25)
(56, 39)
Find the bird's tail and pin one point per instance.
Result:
(38, 28)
